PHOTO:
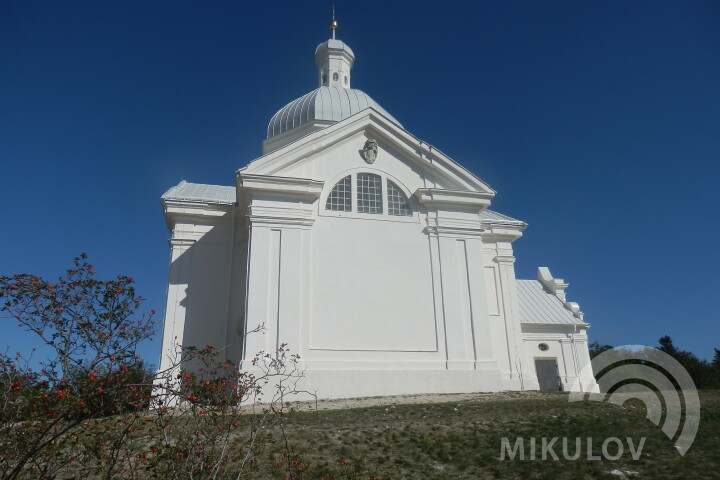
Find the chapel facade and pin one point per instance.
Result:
(372, 254)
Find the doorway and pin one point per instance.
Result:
(548, 374)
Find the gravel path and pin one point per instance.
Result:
(411, 400)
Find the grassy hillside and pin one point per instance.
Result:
(462, 439)
(425, 437)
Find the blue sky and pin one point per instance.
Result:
(598, 123)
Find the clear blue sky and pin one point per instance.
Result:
(598, 123)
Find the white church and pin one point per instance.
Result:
(372, 254)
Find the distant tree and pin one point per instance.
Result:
(716, 359)
(596, 349)
(701, 371)
(667, 346)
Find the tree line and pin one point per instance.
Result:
(705, 374)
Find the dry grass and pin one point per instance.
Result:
(457, 436)
(401, 439)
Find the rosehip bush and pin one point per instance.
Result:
(94, 409)
(91, 329)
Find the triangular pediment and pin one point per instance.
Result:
(340, 145)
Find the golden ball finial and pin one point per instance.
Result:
(333, 25)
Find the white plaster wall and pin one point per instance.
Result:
(236, 290)
(513, 363)
(375, 304)
(570, 350)
(175, 311)
(208, 287)
(502, 342)
(331, 163)
(372, 286)
(200, 284)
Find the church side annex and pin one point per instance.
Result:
(371, 254)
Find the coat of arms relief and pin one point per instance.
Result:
(369, 151)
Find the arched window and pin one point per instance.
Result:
(346, 80)
(340, 197)
(372, 191)
(396, 200)
(369, 193)
(335, 76)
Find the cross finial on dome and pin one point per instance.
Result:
(333, 24)
(334, 60)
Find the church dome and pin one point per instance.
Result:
(333, 100)
(330, 104)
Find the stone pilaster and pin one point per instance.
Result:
(455, 234)
(280, 213)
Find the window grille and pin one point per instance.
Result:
(340, 197)
(397, 201)
(369, 193)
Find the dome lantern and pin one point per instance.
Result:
(332, 102)
(334, 59)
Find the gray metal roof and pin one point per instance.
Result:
(538, 306)
(492, 216)
(323, 103)
(198, 192)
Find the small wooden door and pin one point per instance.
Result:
(548, 374)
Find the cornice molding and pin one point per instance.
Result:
(279, 201)
(539, 331)
(273, 221)
(453, 231)
(441, 199)
(502, 233)
(291, 186)
(277, 142)
(194, 207)
(504, 259)
(301, 212)
(181, 242)
(186, 211)
(377, 125)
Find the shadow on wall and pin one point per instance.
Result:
(207, 290)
